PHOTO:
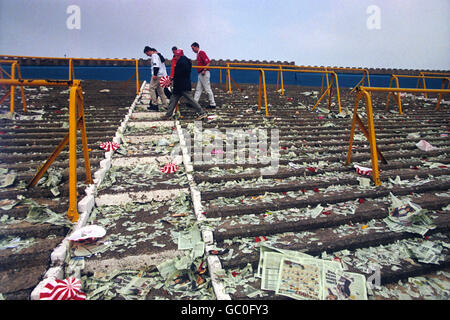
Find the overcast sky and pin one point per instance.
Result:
(353, 33)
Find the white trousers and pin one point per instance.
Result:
(204, 83)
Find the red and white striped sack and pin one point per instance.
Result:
(170, 168)
(108, 146)
(164, 82)
(67, 289)
(363, 170)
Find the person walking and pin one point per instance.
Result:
(172, 67)
(204, 76)
(182, 86)
(158, 70)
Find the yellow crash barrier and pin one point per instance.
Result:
(422, 76)
(71, 75)
(15, 67)
(397, 97)
(76, 121)
(328, 91)
(364, 93)
(262, 92)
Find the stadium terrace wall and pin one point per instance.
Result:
(122, 70)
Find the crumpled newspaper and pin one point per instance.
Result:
(425, 146)
(405, 216)
(7, 177)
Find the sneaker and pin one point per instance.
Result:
(211, 107)
(202, 116)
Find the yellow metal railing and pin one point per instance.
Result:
(76, 121)
(328, 91)
(262, 90)
(15, 67)
(71, 75)
(364, 93)
(422, 76)
(397, 97)
(283, 67)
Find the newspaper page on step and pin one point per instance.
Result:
(341, 285)
(300, 279)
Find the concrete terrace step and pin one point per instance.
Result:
(139, 197)
(135, 204)
(25, 263)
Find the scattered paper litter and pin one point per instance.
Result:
(364, 182)
(301, 276)
(425, 146)
(6, 178)
(407, 216)
(314, 213)
(88, 232)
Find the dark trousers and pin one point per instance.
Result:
(177, 96)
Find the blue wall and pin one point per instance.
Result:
(123, 73)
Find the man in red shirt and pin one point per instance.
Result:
(203, 75)
(174, 62)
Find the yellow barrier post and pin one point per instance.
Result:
(425, 91)
(395, 95)
(424, 85)
(328, 91)
(368, 133)
(263, 82)
(324, 75)
(72, 213)
(441, 94)
(363, 92)
(137, 76)
(228, 78)
(22, 91)
(282, 81)
(12, 92)
(76, 121)
(423, 74)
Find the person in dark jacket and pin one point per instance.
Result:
(182, 86)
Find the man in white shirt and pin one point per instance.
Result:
(158, 70)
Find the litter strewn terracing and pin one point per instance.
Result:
(201, 232)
